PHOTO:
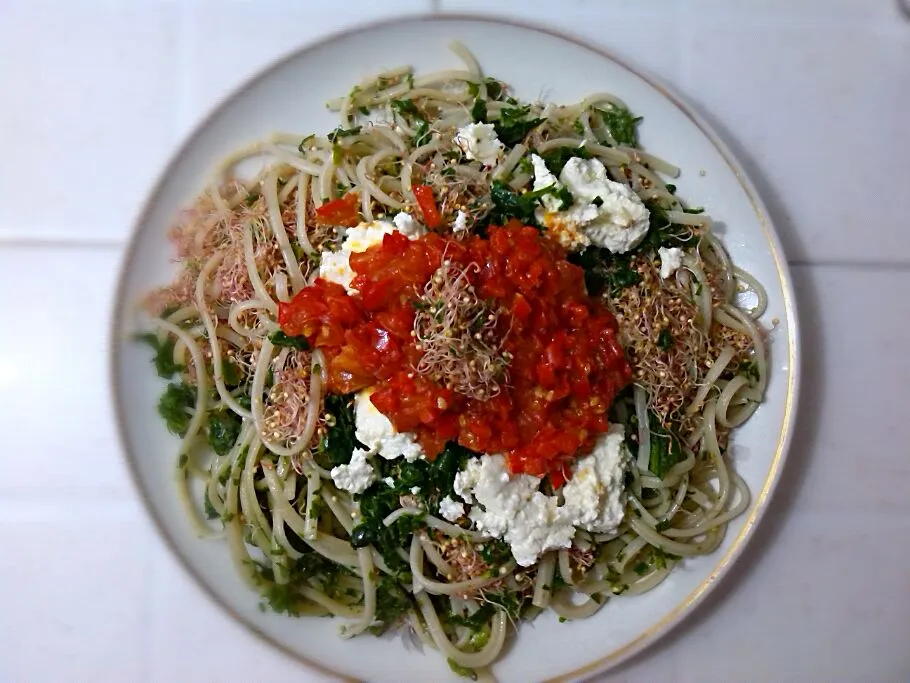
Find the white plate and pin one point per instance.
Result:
(290, 96)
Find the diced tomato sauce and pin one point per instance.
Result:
(566, 366)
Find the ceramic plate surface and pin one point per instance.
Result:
(290, 96)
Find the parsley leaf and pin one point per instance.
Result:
(343, 133)
(174, 405)
(557, 158)
(460, 670)
(223, 430)
(405, 108)
(164, 354)
(479, 111)
(513, 125)
(661, 232)
(279, 338)
(666, 450)
(339, 441)
(508, 204)
(605, 271)
(623, 126)
(392, 602)
(207, 506)
(665, 339)
(422, 133)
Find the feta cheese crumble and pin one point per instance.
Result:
(605, 213)
(670, 260)
(376, 432)
(511, 507)
(334, 265)
(594, 493)
(450, 509)
(356, 476)
(478, 142)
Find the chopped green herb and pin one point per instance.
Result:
(422, 133)
(605, 271)
(578, 127)
(174, 406)
(279, 338)
(556, 159)
(207, 506)
(508, 204)
(661, 232)
(405, 108)
(621, 124)
(339, 442)
(182, 460)
(514, 125)
(479, 110)
(164, 354)
(694, 209)
(671, 188)
(666, 450)
(525, 165)
(662, 525)
(665, 339)
(392, 603)
(462, 671)
(224, 428)
(641, 568)
(339, 133)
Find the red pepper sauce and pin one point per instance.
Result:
(566, 364)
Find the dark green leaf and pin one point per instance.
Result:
(665, 339)
(164, 354)
(405, 108)
(422, 133)
(666, 450)
(462, 671)
(621, 124)
(661, 232)
(663, 525)
(556, 158)
(279, 338)
(641, 568)
(344, 133)
(479, 111)
(514, 125)
(508, 204)
(339, 442)
(174, 405)
(605, 271)
(207, 507)
(224, 428)
(392, 603)
(231, 374)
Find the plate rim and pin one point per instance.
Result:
(683, 608)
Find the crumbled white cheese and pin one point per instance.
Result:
(415, 490)
(670, 260)
(450, 509)
(388, 481)
(478, 141)
(461, 222)
(376, 432)
(543, 179)
(594, 494)
(357, 475)
(406, 225)
(335, 266)
(511, 507)
(605, 213)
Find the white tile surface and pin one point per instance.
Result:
(224, 43)
(645, 34)
(811, 94)
(75, 593)
(54, 397)
(817, 124)
(89, 114)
